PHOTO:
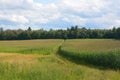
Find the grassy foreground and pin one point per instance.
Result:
(17, 66)
(49, 67)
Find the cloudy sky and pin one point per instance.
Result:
(57, 14)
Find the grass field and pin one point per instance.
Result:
(100, 52)
(92, 45)
(14, 65)
(30, 46)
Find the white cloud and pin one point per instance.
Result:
(14, 18)
(84, 5)
(108, 20)
(103, 13)
(83, 12)
(75, 20)
(27, 10)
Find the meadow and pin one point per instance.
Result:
(42, 60)
(100, 52)
(29, 46)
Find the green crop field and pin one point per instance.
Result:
(50, 59)
(92, 44)
(100, 52)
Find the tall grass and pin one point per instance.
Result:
(90, 52)
(50, 68)
(47, 68)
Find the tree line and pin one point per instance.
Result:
(70, 33)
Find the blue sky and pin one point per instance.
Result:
(59, 14)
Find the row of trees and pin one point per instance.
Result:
(71, 33)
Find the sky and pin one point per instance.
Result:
(59, 14)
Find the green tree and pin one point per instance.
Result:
(10, 35)
(24, 35)
(29, 29)
(117, 33)
(1, 34)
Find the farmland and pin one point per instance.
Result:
(97, 52)
(29, 46)
(51, 59)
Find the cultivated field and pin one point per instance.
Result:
(43, 60)
(30, 46)
(98, 52)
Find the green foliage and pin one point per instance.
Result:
(71, 33)
(29, 29)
